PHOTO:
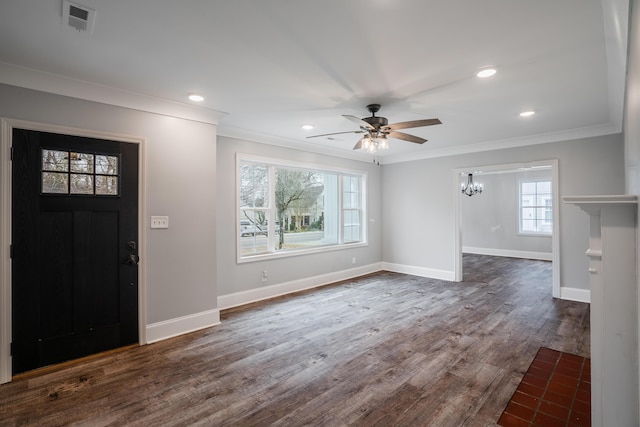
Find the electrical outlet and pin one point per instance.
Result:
(159, 222)
(265, 276)
(353, 260)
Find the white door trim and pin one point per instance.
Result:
(555, 238)
(7, 126)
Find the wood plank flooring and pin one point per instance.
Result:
(383, 350)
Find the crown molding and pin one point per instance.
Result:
(262, 138)
(587, 132)
(60, 85)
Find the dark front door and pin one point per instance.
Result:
(74, 247)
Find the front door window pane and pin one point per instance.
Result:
(106, 165)
(53, 160)
(106, 185)
(81, 162)
(55, 183)
(81, 184)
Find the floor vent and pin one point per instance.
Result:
(78, 16)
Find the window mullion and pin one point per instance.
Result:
(340, 210)
(271, 213)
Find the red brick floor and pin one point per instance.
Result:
(555, 391)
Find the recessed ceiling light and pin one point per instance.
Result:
(196, 98)
(486, 72)
(527, 113)
(307, 127)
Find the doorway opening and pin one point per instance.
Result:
(497, 171)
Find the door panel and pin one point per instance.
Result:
(105, 299)
(73, 293)
(56, 315)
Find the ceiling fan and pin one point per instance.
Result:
(376, 130)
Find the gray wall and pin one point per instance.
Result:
(490, 220)
(180, 166)
(632, 107)
(234, 277)
(419, 201)
(632, 134)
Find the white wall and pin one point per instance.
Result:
(489, 221)
(180, 167)
(419, 201)
(241, 283)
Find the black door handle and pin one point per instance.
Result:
(132, 259)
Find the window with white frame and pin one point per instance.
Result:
(286, 208)
(536, 210)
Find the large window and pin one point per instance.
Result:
(536, 211)
(286, 208)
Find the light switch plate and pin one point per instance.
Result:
(159, 222)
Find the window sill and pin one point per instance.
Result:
(298, 252)
(535, 234)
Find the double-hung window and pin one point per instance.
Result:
(287, 208)
(536, 210)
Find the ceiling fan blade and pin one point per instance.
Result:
(359, 122)
(413, 124)
(358, 144)
(335, 133)
(407, 137)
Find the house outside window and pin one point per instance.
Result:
(287, 208)
(535, 208)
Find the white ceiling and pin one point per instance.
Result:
(272, 66)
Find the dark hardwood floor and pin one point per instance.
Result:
(385, 349)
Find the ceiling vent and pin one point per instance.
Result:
(78, 16)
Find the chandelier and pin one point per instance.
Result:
(374, 142)
(471, 188)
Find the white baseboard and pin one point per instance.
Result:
(259, 294)
(543, 256)
(431, 273)
(575, 294)
(182, 325)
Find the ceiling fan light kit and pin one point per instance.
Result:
(372, 144)
(377, 130)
